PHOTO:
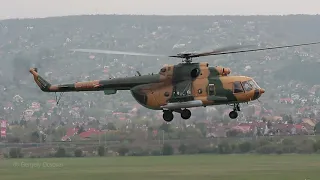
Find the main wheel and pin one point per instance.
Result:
(233, 114)
(167, 116)
(185, 114)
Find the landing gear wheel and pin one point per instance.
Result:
(185, 114)
(233, 114)
(167, 116)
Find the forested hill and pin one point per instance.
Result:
(45, 43)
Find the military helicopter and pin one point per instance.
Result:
(176, 87)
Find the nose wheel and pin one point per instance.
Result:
(234, 114)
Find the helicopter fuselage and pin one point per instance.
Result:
(188, 89)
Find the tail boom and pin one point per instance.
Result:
(96, 85)
(79, 86)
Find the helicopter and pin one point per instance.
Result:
(176, 88)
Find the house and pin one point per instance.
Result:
(286, 100)
(309, 121)
(272, 118)
(90, 132)
(35, 106)
(28, 114)
(18, 98)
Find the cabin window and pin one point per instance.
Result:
(211, 89)
(237, 88)
(246, 86)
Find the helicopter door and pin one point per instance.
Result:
(211, 89)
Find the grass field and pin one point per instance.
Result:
(197, 167)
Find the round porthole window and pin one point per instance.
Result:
(166, 94)
(199, 91)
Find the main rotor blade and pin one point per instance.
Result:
(262, 49)
(115, 52)
(209, 53)
(222, 50)
(219, 51)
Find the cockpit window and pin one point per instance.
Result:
(246, 86)
(253, 84)
(237, 88)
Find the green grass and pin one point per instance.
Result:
(197, 167)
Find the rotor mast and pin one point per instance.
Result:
(186, 57)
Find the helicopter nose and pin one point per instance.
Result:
(257, 93)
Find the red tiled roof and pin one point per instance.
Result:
(71, 131)
(90, 132)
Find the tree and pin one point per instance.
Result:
(264, 119)
(182, 148)
(111, 126)
(38, 121)
(15, 153)
(35, 137)
(203, 128)
(165, 127)
(287, 142)
(23, 121)
(78, 153)
(101, 150)
(81, 130)
(37, 114)
(233, 133)
(245, 147)
(61, 152)
(167, 149)
(269, 124)
(316, 146)
(123, 151)
(224, 148)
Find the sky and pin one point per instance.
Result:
(45, 8)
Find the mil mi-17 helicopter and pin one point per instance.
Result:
(176, 87)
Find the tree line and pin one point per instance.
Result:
(263, 146)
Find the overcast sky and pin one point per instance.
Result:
(45, 8)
